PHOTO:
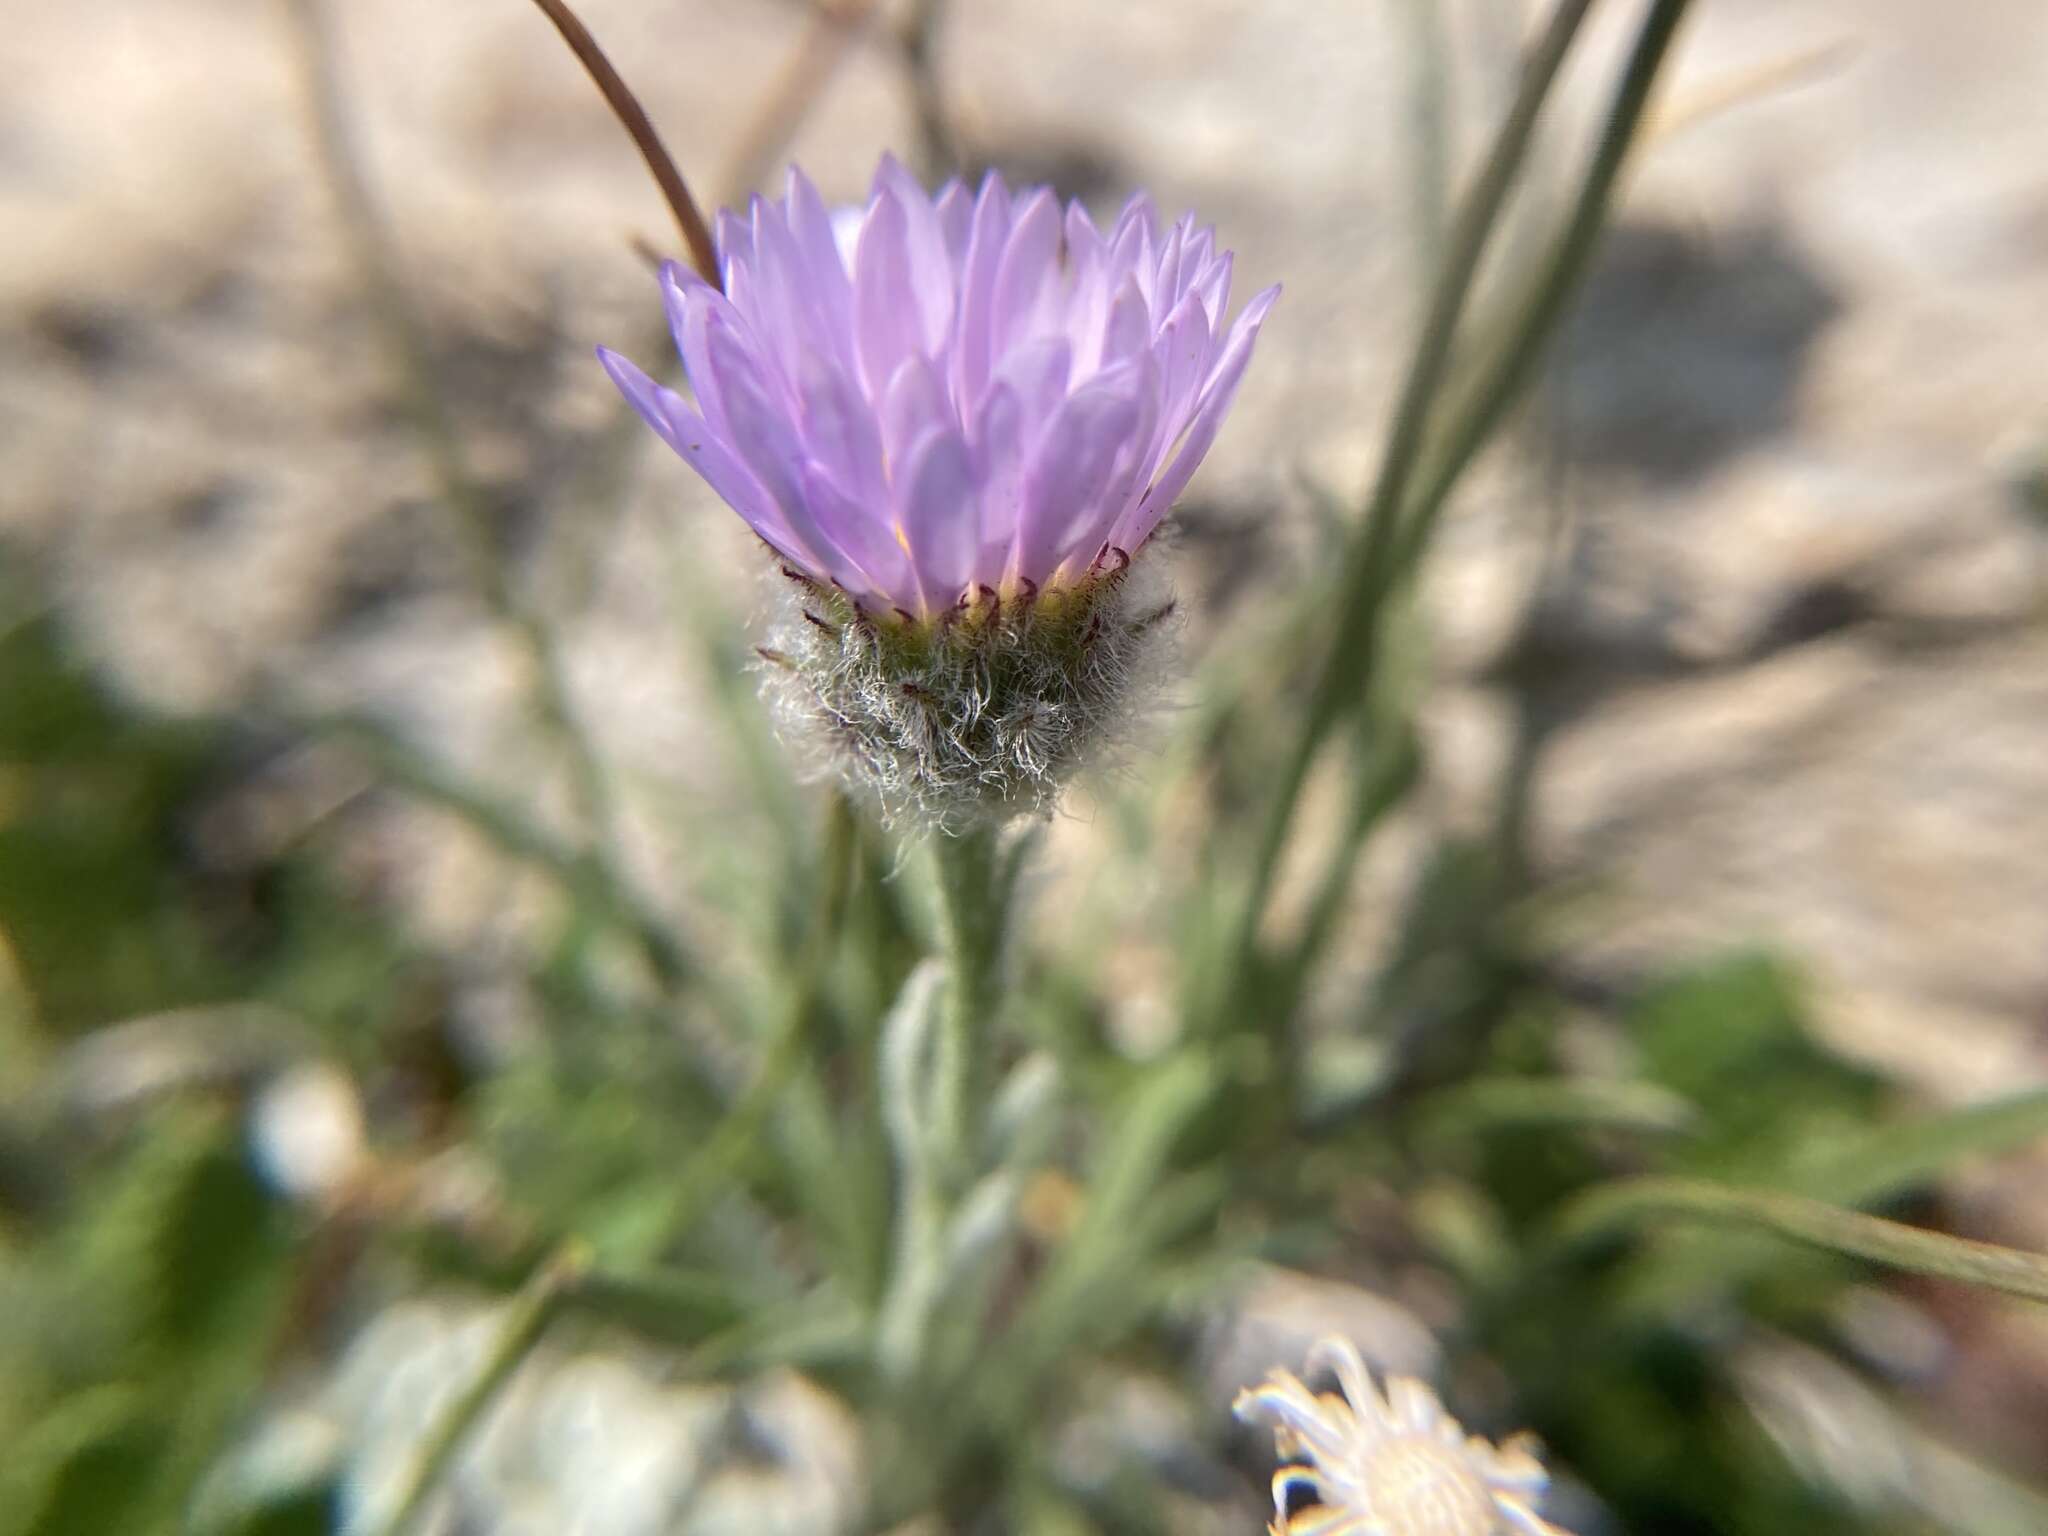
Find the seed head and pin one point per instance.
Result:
(978, 714)
(1392, 1465)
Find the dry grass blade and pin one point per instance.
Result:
(407, 338)
(626, 107)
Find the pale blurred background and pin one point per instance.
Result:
(1789, 676)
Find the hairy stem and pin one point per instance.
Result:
(934, 1051)
(970, 931)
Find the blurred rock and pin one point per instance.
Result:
(1280, 1314)
(580, 1439)
(306, 1132)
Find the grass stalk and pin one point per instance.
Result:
(405, 337)
(1638, 1202)
(525, 1322)
(1367, 563)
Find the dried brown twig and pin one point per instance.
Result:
(633, 118)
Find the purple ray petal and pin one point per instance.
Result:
(885, 309)
(776, 306)
(735, 248)
(866, 537)
(1183, 352)
(1088, 289)
(1025, 277)
(928, 264)
(914, 405)
(840, 431)
(1138, 460)
(1129, 328)
(693, 304)
(1069, 476)
(1040, 372)
(818, 311)
(955, 208)
(810, 225)
(1155, 277)
(938, 517)
(1212, 286)
(1216, 396)
(1195, 257)
(760, 429)
(973, 338)
(1138, 223)
(1001, 452)
(691, 437)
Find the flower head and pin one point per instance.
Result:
(955, 418)
(1393, 1464)
(934, 395)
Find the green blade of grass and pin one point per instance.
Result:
(1634, 1203)
(1350, 653)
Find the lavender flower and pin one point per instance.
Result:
(933, 396)
(955, 419)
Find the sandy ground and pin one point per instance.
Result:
(1796, 685)
(1796, 670)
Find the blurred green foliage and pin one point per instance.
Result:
(156, 1290)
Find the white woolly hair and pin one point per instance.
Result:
(978, 714)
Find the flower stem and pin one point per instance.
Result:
(930, 1110)
(970, 931)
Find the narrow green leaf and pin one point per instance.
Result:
(1131, 1208)
(1862, 1169)
(1636, 1202)
(520, 1329)
(1894, 1158)
(34, 1472)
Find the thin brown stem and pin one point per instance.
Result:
(633, 118)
